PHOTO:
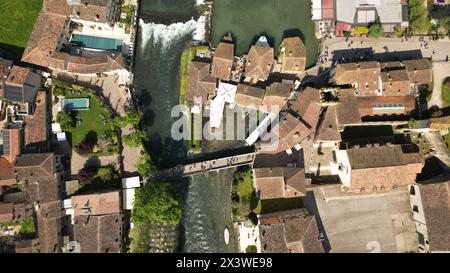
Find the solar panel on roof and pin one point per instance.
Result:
(6, 143)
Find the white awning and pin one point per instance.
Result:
(131, 182)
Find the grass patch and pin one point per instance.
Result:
(242, 194)
(17, 21)
(89, 123)
(279, 204)
(446, 90)
(27, 228)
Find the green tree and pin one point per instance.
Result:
(65, 120)
(58, 91)
(156, 202)
(133, 118)
(145, 166)
(134, 139)
(420, 26)
(251, 249)
(375, 31)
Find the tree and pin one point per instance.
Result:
(65, 120)
(398, 30)
(86, 176)
(133, 118)
(58, 91)
(144, 166)
(134, 139)
(375, 31)
(156, 202)
(85, 147)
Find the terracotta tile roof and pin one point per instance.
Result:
(419, 71)
(34, 166)
(223, 61)
(395, 82)
(247, 95)
(365, 74)
(277, 94)
(92, 10)
(42, 190)
(442, 123)
(347, 108)
(36, 126)
(290, 131)
(328, 128)
(44, 39)
(49, 227)
(6, 212)
(95, 64)
(367, 105)
(4, 67)
(382, 168)
(98, 234)
(7, 177)
(280, 182)
(293, 231)
(17, 75)
(25, 245)
(96, 204)
(293, 55)
(306, 97)
(199, 81)
(259, 62)
(436, 205)
(12, 143)
(282, 159)
(56, 6)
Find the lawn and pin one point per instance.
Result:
(89, 123)
(242, 194)
(446, 90)
(17, 21)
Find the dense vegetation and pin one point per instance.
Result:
(375, 31)
(242, 193)
(156, 202)
(446, 90)
(419, 23)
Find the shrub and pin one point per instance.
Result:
(85, 176)
(375, 31)
(65, 120)
(251, 249)
(134, 139)
(85, 147)
(144, 166)
(58, 91)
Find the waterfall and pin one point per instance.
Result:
(166, 35)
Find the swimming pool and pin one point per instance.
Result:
(97, 42)
(75, 104)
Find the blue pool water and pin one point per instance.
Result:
(75, 104)
(97, 42)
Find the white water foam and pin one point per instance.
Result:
(165, 35)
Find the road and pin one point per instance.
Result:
(441, 70)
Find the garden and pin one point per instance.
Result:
(91, 131)
(446, 90)
(17, 20)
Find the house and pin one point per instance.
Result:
(21, 85)
(6, 212)
(363, 76)
(36, 130)
(5, 67)
(385, 105)
(7, 176)
(377, 168)
(200, 85)
(395, 83)
(50, 44)
(347, 108)
(277, 94)
(419, 71)
(354, 13)
(39, 173)
(249, 96)
(442, 124)
(307, 106)
(49, 227)
(12, 143)
(292, 55)
(223, 59)
(97, 222)
(259, 61)
(292, 231)
(280, 182)
(328, 129)
(430, 204)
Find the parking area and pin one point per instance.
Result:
(376, 222)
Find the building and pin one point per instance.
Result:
(377, 168)
(395, 83)
(385, 106)
(49, 226)
(97, 222)
(223, 59)
(280, 182)
(419, 71)
(355, 13)
(21, 85)
(277, 94)
(12, 143)
(200, 85)
(292, 231)
(36, 126)
(292, 55)
(430, 204)
(95, 10)
(363, 76)
(259, 61)
(249, 96)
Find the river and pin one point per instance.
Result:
(166, 28)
